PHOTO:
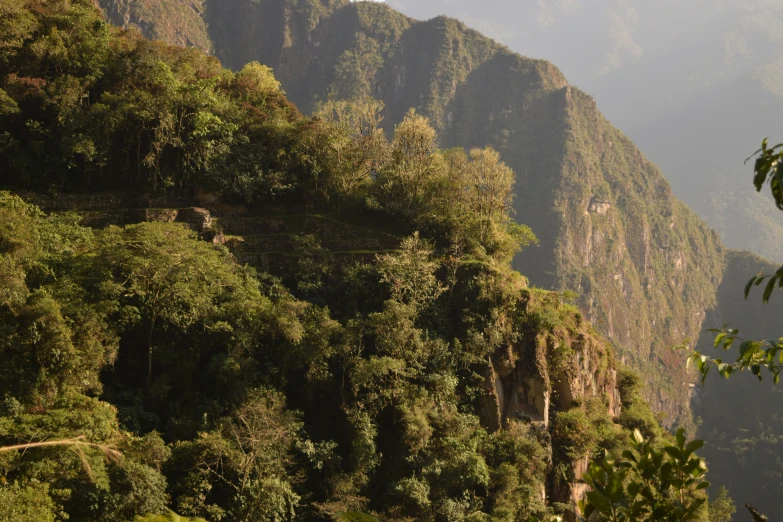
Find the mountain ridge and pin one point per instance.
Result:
(646, 266)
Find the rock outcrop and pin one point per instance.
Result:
(552, 368)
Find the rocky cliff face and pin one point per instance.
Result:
(179, 22)
(609, 226)
(552, 369)
(549, 370)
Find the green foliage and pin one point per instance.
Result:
(357, 143)
(636, 413)
(573, 433)
(168, 517)
(411, 273)
(155, 292)
(229, 397)
(243, 464)
(752, 355)
(647, 483)
(94, 107)
(58, 338)
(768, 168)
(722, 506)
(27, 504)
(355, 516)
(315, 264)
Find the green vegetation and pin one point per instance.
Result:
(147, 372)
(648, 484)
(722, 508)
(609, 227)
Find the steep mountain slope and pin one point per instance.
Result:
(741, 421)
(695, 84)
(706, 166)
(609, 225)
(179, 22)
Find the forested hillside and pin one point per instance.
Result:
(215, 305)
(647, 270)
(609, 226)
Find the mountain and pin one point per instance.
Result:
(648, 271)
(180, 22)
(610, 227)
(213, 304)
(695, 84)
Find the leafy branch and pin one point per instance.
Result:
(646, 483)
(752, 355)
(76, 444)
(769, 168)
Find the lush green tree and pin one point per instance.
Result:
(357, 143)
(409, 180)
(84, 105)
(54, 338)
(410, 273)
(647, 483)
(722, 506)
(31, 503)
(73, 453)
(315, 264)
(242, 469)
(163, 275)
(486, 188)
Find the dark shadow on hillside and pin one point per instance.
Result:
(742, 422)
(503, 103)
(242, 31)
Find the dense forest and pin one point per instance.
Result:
(146, 368)
(647, 272)
(609, 226)
(217, 306)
